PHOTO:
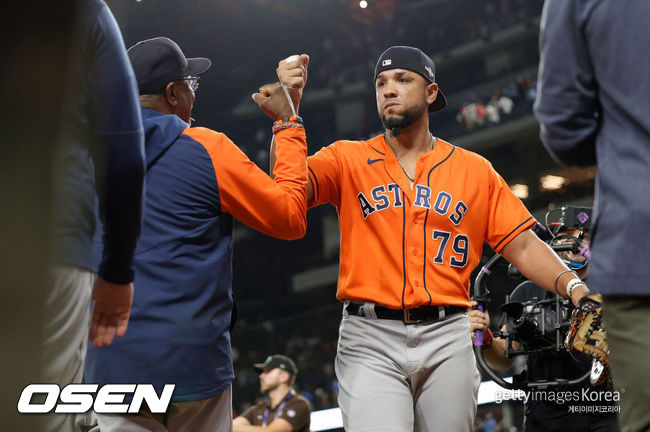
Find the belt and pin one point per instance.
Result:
(408, 316)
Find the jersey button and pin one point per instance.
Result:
(416, 221)
(415, 252)
(417, 283)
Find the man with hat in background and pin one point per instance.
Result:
(414, 212)
(197, 181)
(285, 410)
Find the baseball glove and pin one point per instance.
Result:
(587, 334)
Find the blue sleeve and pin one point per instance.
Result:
(567, 104)
(117, 122)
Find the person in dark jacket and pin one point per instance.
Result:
(99, 152)
(593, 108)
(198, 181)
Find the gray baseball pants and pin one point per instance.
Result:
(398, 377)
(66, 318)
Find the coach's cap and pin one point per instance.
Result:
(404, 57)
(277, 361)
(159, 61)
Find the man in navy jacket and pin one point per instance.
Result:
(593, 106)
(198, 181)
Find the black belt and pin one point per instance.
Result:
(407, 316)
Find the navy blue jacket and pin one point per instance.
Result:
(100, 149)
(196, 180)
(594, 107)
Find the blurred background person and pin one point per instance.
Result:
(591, 112)
(285, 410)
(99, 153)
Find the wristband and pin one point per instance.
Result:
(295, 118)
(573, 283)
(286, 123)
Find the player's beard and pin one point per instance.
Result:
(265, 389)
(396, 123)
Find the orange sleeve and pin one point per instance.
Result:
(508, 216)
(276, 207)
(325, 175)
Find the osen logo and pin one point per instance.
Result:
(79, 398)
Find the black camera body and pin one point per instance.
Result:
(538, 325)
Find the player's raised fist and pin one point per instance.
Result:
(292, 73)
(272, 100)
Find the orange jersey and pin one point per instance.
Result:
(405, 247)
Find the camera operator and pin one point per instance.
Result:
(574, 406)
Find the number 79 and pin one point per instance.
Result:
(460, 247)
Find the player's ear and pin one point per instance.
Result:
(431, 92)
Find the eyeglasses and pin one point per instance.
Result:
(192, 81)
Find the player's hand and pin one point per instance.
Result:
(478, 320)
(578, 294)
(111, 311)
(292, 73)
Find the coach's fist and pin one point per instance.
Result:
(292, 73)
(272, 100)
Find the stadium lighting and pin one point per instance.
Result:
(363, 4)
(551, 182)
(520, 190)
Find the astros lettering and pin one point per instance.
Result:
(385, 196)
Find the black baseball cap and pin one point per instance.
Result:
(277, 361)
(405, 57)
(159, 61)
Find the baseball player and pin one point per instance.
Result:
(414, 212)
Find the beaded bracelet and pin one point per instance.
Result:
(573, 283)
(286, 123)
